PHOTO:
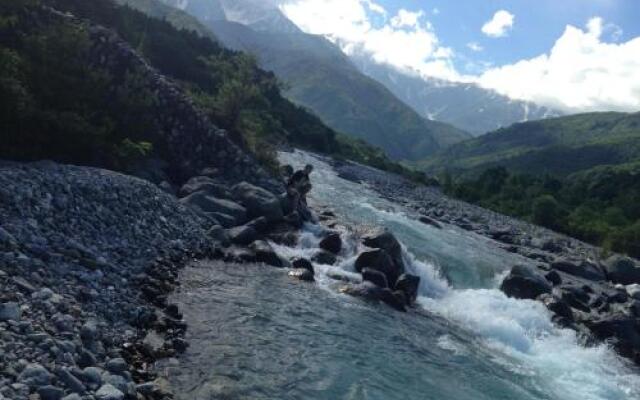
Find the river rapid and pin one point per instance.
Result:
(257, 334)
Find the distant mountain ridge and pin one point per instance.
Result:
(464, 105)
(559, 146)
(320, 77)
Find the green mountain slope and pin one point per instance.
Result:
(558, 146)
(321, 78)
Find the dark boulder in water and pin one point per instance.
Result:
(385, 240)
(302, 263)
(524, 282)
(558, 307)
(265, 253)
(332, 243)
(375, 276)
(408, 284)
(370, 291)
(379, 260)
(553, 277)
(622, 331)
(324, 257)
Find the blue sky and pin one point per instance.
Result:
(538, 23)
(574, 55)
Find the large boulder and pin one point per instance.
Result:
(206, 185)
(374, 276)
(259, 202)
(408, 284)
(385, 240)
(242, 235)
(332, 243)
(582, 269)
(622, 270)
(210, 204)
(265, 253)
(523, 282)
(621, 330)
(379, 260)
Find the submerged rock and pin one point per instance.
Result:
(379, 260)
(324, 257)
(302, 263)
(375, 276)
(523, 282)
(332, 243)
(408, 284)
(265, 254)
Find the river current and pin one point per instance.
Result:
(257, 334)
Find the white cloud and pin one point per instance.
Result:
(580, 73)
(406, 18)
(499, 25)
(474, 46)
(406, 40)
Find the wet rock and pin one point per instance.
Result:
(575, 297)
(430, 221)
(109, 392)
(10, 311)
(265, 253)
(622, 270)
(394, 299)
(302, 263)
(408, 284)
(225, 220)
(553, 277)
(621, 330)
(558, 307)
(242, 235)
(583, 269)
(260, 224)
(258, 202)
(210, 204)
(332, 243)
(523, 282)
(324, 257)
(385, 240)
(375, 276)
(302, 274)
(379, 260)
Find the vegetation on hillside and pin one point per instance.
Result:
(559, 146)
(600, 205)
(54, 105)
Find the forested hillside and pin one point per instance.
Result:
(59, 103)
(579, 175)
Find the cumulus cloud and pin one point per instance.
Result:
(499, 25)
(406, 40)
(582, 72)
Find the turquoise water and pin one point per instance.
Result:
(256, 334)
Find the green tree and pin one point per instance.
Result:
(545, 210)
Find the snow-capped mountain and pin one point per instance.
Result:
(465, 105)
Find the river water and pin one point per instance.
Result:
(256, 334)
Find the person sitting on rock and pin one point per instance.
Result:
(298, 185)
(301, 182)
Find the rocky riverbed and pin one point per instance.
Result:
(595, 294)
